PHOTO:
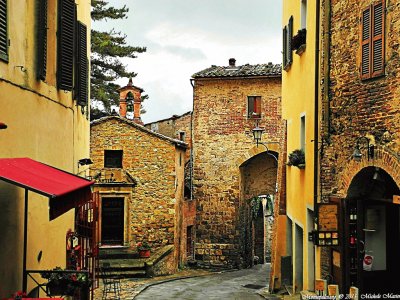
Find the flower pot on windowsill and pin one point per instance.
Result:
(297, 159)
(301, 49)
(299, 41)
(144, 253)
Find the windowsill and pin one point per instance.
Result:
(301, 49)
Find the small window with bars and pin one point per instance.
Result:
(113, 158)
(3, 31)
(254, 107)
(373, 41)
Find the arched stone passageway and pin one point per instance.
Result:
(258, 185)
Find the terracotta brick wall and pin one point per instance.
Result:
(358, 107)
(222, 141)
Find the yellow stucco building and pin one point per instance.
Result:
(299, 98)
(44, 64)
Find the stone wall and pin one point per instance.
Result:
(358, 107)
(154, 210)
(222, 141)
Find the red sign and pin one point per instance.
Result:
(368, 259)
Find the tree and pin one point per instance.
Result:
(108, 47)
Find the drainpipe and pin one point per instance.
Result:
(316, 117)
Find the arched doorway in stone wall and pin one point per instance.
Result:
(371, 222)
(258, 189)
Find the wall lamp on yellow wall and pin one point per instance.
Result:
(357, 154)
(3, 125)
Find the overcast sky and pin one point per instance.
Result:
(186, 36)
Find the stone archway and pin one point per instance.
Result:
(384, 159)
(258, 179)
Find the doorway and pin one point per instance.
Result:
(374, 244)
(112, 221)
(372, 233)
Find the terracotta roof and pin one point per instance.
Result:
(140, 127)
(270, 70)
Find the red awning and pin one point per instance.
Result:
(64, 189)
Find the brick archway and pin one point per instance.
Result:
(383, 159)
(255, 151)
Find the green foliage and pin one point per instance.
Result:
(297, 158)
(108, 47)
(255, 206)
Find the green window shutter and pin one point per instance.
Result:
(3, 30)
(82, 65)
(289, 43)
(66, 42)
(284, 56)
(42, 40)
(377, 39)
(366, 44)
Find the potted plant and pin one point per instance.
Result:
(143, 249)
(64, 282)
(299, 41)
(297, 159)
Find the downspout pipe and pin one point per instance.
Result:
(316, 106)
(316, 117)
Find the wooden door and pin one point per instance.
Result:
(112, 221)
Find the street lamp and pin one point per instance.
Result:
(257, 134)
(357, 155)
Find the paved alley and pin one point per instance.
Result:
(242, 284)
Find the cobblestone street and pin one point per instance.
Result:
(198, 284)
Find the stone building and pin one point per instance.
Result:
(231, 174)
(140, 177)
(180, 127)
(44, 116)
(360, 165)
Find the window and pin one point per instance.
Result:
(254, 107)
(42, 40)
(3, 31)
(303, 133)
(113, 158)
(287, 44)
(182, 135)
(372, 41)
(65, 47)
(303, 13)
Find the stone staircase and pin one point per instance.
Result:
(125, 263)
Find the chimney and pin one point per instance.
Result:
(232, 62)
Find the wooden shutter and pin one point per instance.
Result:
(377, 39)
(257, 106)
(284, 37)
(82, 65)
(289, 42)
(365, 43)
(3, 30)
(42, 40)
(66, 42)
